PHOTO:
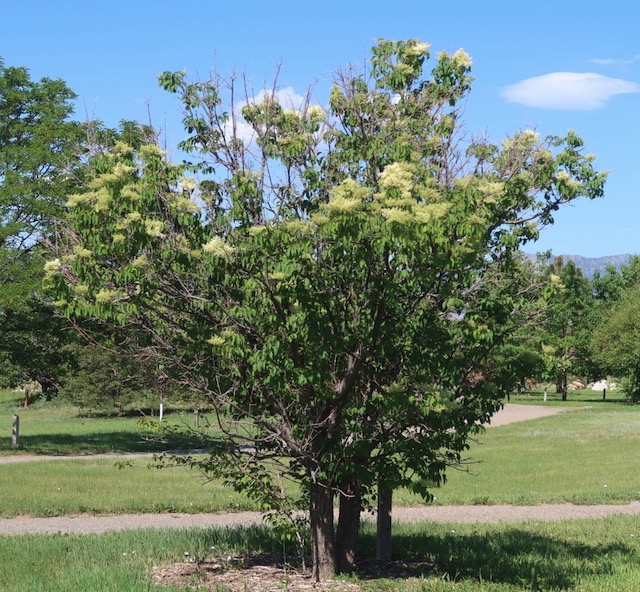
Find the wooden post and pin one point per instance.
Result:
(604, 394)
(15, 433)
(383, 523)
(196, 418)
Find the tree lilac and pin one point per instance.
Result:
(338, 281)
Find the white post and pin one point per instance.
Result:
(161, 410)
(545, 395)
(15, 433)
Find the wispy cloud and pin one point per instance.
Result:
(615, 61)
(568, 90)
(287, 97)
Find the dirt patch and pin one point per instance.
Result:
(266, 573)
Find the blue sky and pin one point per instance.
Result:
(550, 66)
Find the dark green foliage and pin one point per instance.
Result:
(339, 287)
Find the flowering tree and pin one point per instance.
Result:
(337, 284)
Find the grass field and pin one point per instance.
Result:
(577, 556)
(49, 429)
(587, 455)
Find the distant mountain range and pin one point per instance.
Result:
(589, 265)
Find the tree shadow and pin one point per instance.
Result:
(511, 556)
(99, 442)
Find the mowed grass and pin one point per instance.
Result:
(577, 556)
(586, 455)
(567, 457)
(109, 486)
(51, 429)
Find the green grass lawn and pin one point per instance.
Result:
(587, 455)
(576, 556)
(50, 429)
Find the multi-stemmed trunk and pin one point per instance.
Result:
(348, 528)
(334, 551)
(323, 548)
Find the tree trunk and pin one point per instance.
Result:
(565, 386)
(323, 549)
(348, 528)
(383, 523)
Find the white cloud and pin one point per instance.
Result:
(288, 99)
(568, 90)
(614, 61)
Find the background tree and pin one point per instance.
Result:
(38, 142)
(339, 283)
(38, 148)
(43, 154)
(616, 342)
(567, 330)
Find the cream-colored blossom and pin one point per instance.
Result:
(277, 276)
(257, 229)
(218, 247)
(568, 180)
(346, 197)
(397, 176)
(77, 198)
(319, 219)
(118, 238)
(398, 216)
(188, 183)
(53, 267)
(316, 113)
(130, 192)
(102, 199)
(403, 69)
(425, 213)
(154, 228)
(417, 49)
(492, 190)
(151, 150)
(524, 140)
(461, 59)
(122, 170)
(132, 217)
(186, 204)
(122, 149)
(82, 252)
(81, 289)
(104, 296)
(140, 261)
(216, 340)
(342, 205)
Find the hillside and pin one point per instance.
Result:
(589, 265)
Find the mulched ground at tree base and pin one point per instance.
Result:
(267, 573)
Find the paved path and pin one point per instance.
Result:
(86, 524)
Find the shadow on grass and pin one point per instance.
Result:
(510, 556)
(95, 443)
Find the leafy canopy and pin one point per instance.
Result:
(339, 279)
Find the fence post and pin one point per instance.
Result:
(15, 432)
(604, 394)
